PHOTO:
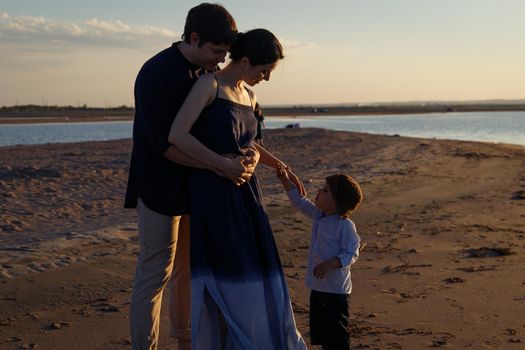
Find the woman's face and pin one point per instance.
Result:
(256, 74)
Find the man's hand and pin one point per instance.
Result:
(321, 269)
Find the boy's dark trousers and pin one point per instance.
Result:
(329, 318)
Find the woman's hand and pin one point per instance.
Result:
(296, 181)
(232, 168)
(250, 160)
(239, 169)
(283, 176)
(287, 177)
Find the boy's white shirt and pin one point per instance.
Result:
(331, 237)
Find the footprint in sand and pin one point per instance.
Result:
(58, 325)
(510, 331)
(438, 343)
(452, 280)
(299, 309)
(106, 308)
(471, 269)
(293, 276)
(488, 252)
(14, 339)
(288, 264)
(518, 195)
(405, 298)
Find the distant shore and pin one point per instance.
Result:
(63, 119)
(37, 114)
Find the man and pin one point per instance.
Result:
(157, 185)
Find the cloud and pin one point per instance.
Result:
(291, 44)
(91, 32)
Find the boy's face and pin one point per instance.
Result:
(325, 201)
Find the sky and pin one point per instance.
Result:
(337, 51)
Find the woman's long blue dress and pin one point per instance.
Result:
(239, 295)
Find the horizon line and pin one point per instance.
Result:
(301, 105)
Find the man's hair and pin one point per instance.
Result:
(211, 22)
(259, 45)
(346, 192)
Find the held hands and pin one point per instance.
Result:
(321, 269)
(283, 176)
(289, 179)
(298, 183)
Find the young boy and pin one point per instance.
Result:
(334, 247)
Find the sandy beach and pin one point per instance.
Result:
(443, 222)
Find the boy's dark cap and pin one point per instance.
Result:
(346, 192)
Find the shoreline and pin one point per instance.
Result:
(507, 144)
(72, 116)
(442, 219)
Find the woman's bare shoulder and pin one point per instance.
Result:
(207, 79)
(205, 86)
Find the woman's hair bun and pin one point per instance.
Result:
(259, 45)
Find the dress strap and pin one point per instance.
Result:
(217, 80)
(250, 96)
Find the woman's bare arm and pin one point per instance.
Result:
(199, 97)
(272, 161)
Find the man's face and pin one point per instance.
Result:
(209, 55)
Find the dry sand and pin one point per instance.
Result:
(444, 264)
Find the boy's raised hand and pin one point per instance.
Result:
(296, 181)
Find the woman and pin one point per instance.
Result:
(237, 277)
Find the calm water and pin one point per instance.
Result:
(505, 127)
(32, 134)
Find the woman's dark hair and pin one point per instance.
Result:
(259, 45)
(211, 22)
